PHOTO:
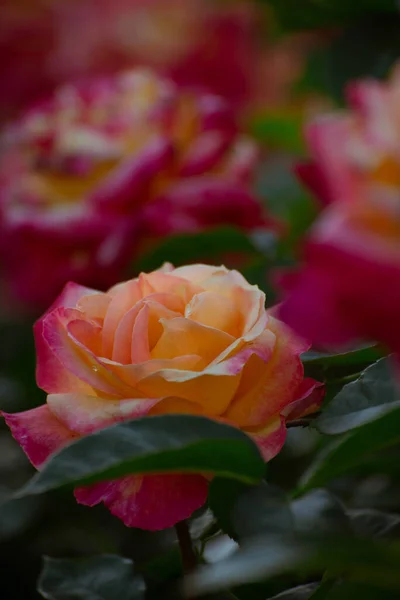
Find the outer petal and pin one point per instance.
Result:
(51, 375)
(129, 182)
(309, 398)
(213, 388)
(151, 502)
(77, 359)
(71, 295)
(86, 414)
(270, 438)
(39, 433)
(267, 388)
(333, 302)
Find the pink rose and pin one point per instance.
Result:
(194, 340)
(349, 286)
(89, 174)
(221, 47)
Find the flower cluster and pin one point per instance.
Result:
(349, 287)
(194, 340)
(99, 167)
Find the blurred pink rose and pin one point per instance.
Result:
(221, 47)
(349, 286)
(194, 340)
(97, 169)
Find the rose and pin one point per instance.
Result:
(194, 340)
(349, 286)
(214, 46)
(90, 173)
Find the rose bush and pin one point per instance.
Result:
(349, 287)
(89, 174)
(195, 340)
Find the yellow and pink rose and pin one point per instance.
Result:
(195, 340)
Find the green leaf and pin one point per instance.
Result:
(354, 449)
(348, 590)
(301, 592)
(264, 557)
(320, 512)
(16, 515)
(243, 511)
(373, 394)
(307, 14)
(161, 444)
(262, 509)
(279, 129)
(374, 523)
(192, 247)
(286, 198)
(104, 577)
(358, 356)
(222, 496)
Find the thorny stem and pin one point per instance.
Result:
(188, 555)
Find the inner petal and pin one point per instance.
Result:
(148, 328)
(214, 310)
(88, 334)
(94, 306)
(124, 299)
(182, 336)
(160, 305)
(249, 299)
(168, 283)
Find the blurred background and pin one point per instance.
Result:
(134, 132)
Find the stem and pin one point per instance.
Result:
(188, 555)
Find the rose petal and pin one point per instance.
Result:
(124, 297)
(133, 374)
(270, 438)
(176, 406)
(213, 310)
(167, 283)
(39, 433)
(182, 336)
(77, 359)
(148, 329)
(86, 414)
(266, 388)
(213, 388)
(249, 299)
(95, 306)
(89, 334)
(166, 305)
(309, 399)
(51, 374)
(151, 502)
(70, 296)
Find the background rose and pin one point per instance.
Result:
(193, 340)
(351, 268)
(100, 167)
(221, 47)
